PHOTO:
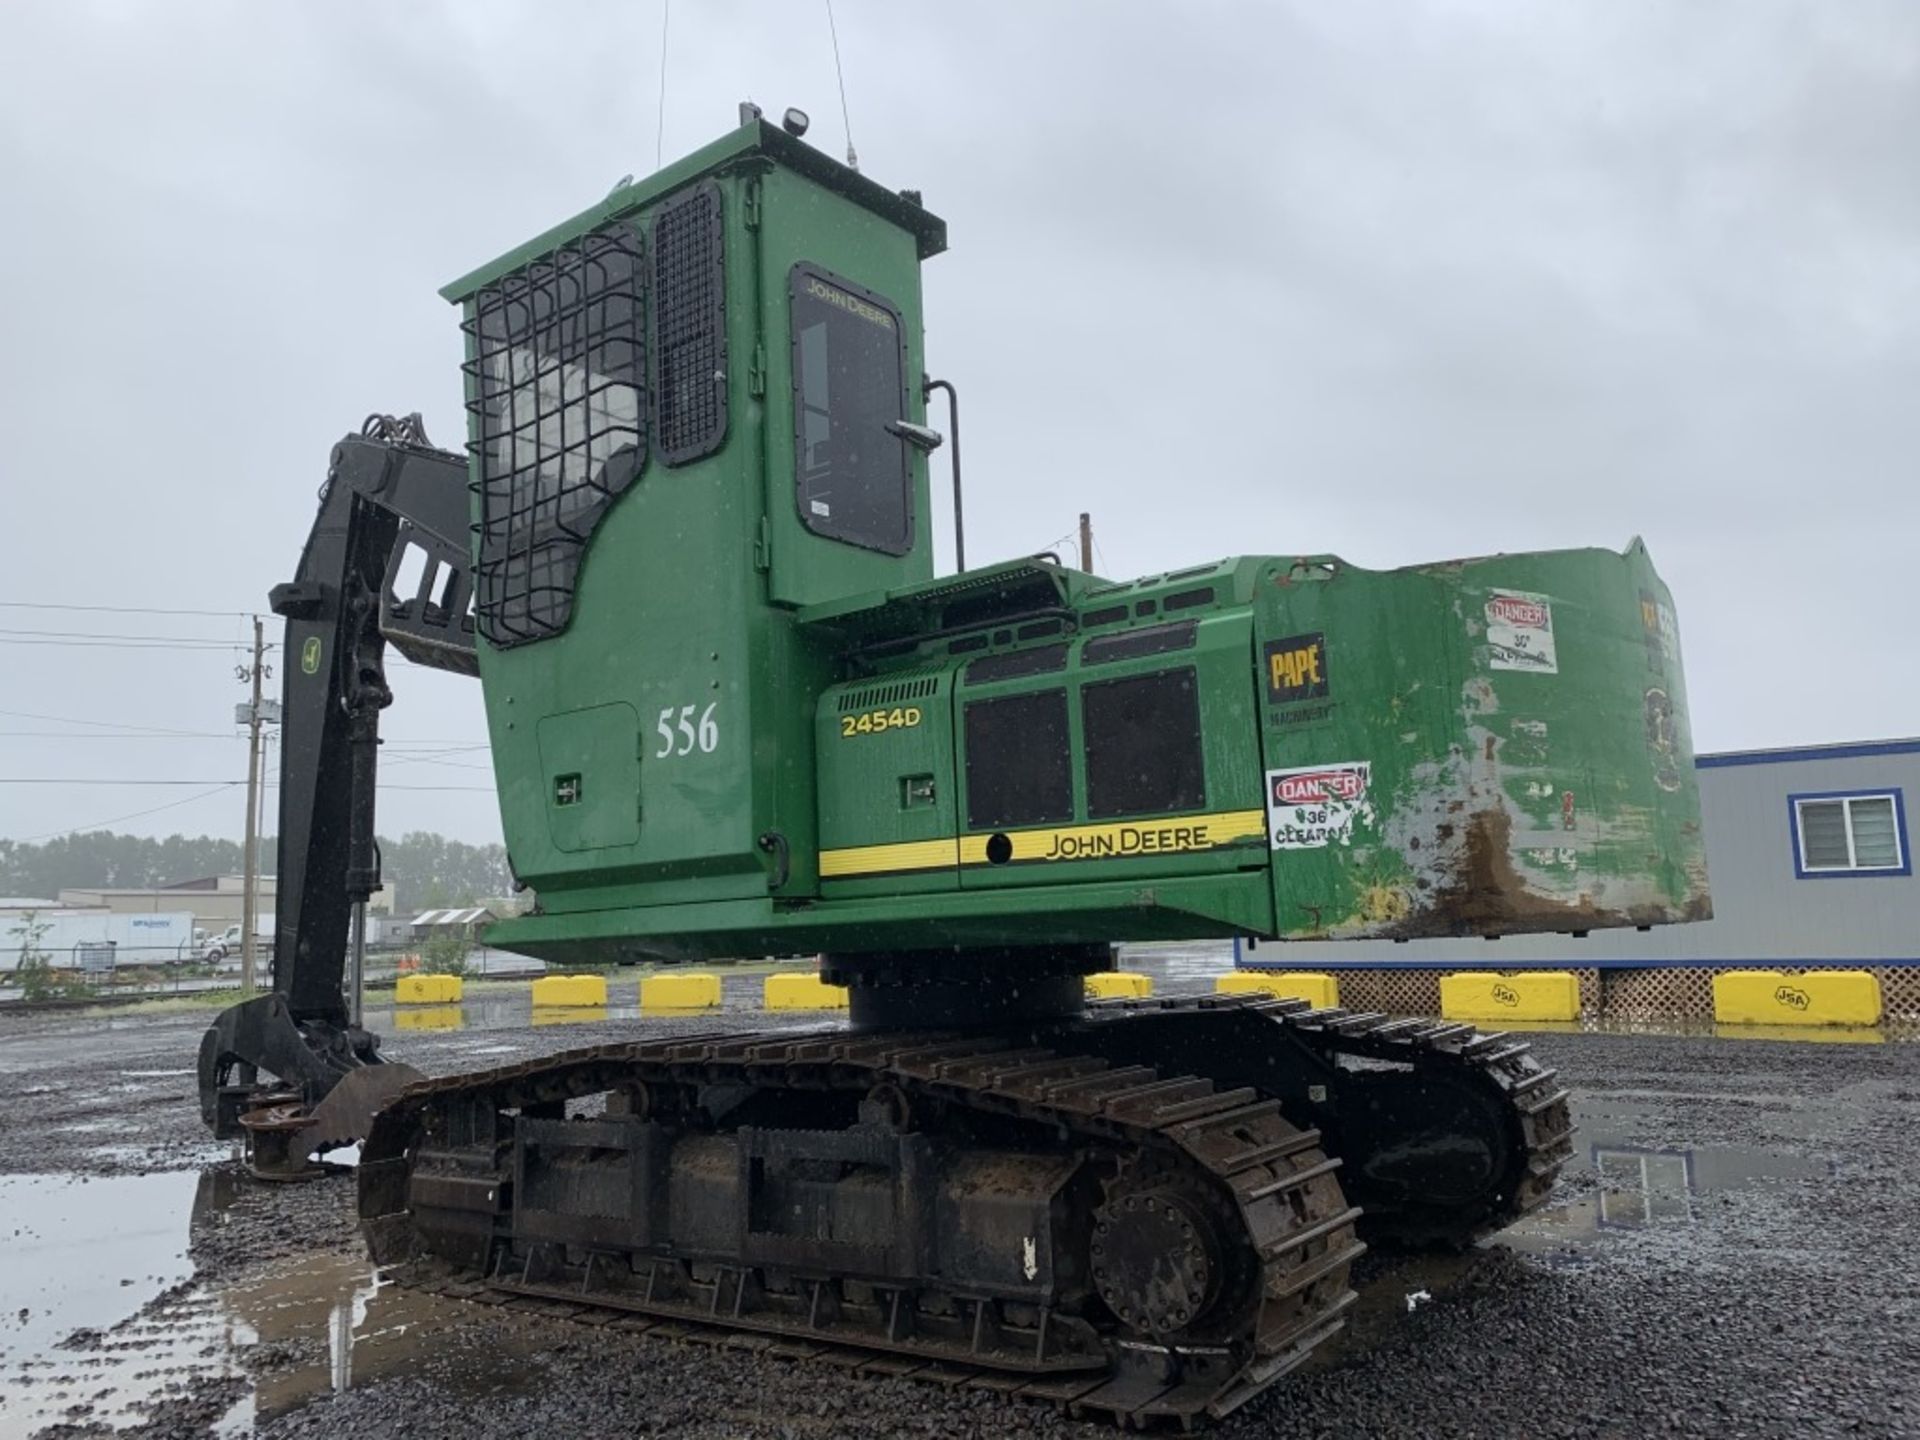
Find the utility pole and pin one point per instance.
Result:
(249, 904)
(1086, 542)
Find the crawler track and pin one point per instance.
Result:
(1200, 1243)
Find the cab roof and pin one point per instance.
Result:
(756, 137)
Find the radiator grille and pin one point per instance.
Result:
(897, 693)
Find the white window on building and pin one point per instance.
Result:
(1849, 834)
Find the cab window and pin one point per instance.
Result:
(852, 478)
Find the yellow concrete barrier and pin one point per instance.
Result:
(802, 992)
(1322, 991)
(570, 990)
(679, 991)
(427, 989)
(1119, 985)
(430, 1017)
(1534, 995)
(1824, 997)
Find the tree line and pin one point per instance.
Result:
(425, 868)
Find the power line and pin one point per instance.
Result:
(1049, 547)
(155, 732)
(135, 815)
(447, 764)
(116, 635)
(68, 734)
(122, 609)
(401, 749)
(98, 780)
(98, 724)
(197, 646)
(450, 789)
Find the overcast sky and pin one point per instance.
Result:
(1399, 281)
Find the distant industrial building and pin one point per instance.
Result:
(467, 922)
(215, 900)
(1810, 864)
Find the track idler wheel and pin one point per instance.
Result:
(1156, 1259)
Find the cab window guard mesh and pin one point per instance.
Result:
(689, 326)
(556, 404)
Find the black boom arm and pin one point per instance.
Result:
(387, 493)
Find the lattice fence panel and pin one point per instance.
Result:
(1900, 991)
(1651, 994)
(1677, 992)
(1395, 992)
(1686, 992)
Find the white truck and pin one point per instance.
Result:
(214, 947)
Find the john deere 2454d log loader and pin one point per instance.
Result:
(734, 712)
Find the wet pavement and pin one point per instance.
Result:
(1732, 1254)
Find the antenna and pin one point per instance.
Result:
(660, 121)
(853, 160)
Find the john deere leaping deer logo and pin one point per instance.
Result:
(1791, 996)
(1506, 995)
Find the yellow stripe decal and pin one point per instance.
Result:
(879, 859)
(1117, 840)
(1124, 838)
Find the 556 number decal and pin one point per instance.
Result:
(873, 722)
(681, 735)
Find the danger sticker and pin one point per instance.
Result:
(1315, 806)
(1520, 632)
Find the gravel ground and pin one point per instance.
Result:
(1775, 1298)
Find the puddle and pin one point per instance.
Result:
(82, 1254)
(70, 1240)
(330, 1324)
(102, 1265)
(1636, 1186)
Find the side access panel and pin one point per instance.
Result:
(884, 756)
(591, 761)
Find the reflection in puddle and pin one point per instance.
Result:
(1814, 1034)
(101, 1313)
(569, 1014)
(84, 1255)
(429, 1017)
(322, 1324)
(1638, 1186)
